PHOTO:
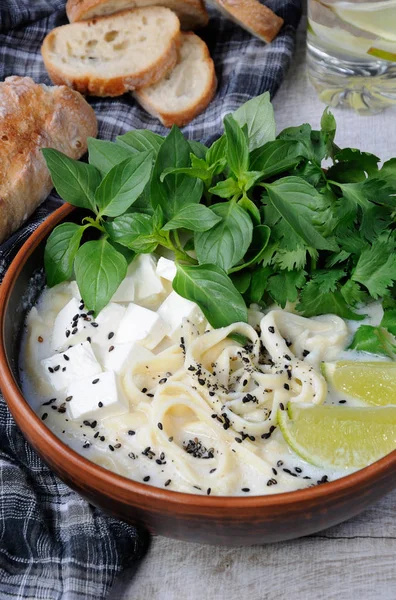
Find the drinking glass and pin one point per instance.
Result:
(352, 52)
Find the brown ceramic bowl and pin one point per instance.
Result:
(214, 520)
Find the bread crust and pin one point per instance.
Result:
(110, 86)
(182, 118)
(192, 13)
(257, 18)
(32, 117)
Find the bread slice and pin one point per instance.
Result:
(108, 56)
(32, 117)
(187, 90)
(192, 13)
(253, 16)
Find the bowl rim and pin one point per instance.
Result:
(130, 488)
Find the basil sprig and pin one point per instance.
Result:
(252, 219)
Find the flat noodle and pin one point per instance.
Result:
(212, 387)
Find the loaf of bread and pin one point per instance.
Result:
(187, 90)
(108, 56)
(32, 117)
(192, 13)
(253, 16)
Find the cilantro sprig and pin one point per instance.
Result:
(253, 218)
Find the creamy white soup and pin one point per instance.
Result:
(150, 391)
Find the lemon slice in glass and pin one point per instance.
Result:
(377, 18)
(339, 437)
(372, 382)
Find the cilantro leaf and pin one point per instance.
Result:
(376, 268)
(284, 286)
(314, 301)
(375, 340)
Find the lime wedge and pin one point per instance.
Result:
(339, 437)
(372, 382)
(379, 21)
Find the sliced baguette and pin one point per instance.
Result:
(187, 90)
(192, 13)
(253, 16)
(108, 56)
(33, 117)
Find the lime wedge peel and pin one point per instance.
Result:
(339, 437)
(372, 382)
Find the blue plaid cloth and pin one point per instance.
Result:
(53, 544)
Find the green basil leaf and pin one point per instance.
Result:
(99, 271)
(141, 140)
(258, 115)
(226, 189)
(251, 208)
(228, 241)
(75, 181)
(158, 219)
(276, 157)
(198, 149)
(189, 171)
(128, 254)
(135, 231)
(60, 250)
(196, 217)
(261, 235)
(213, 291)
(123, 184)
(105, 155)
(217, 151)
(296, 201)
(241, 280)
(177, 190)
(237, 148)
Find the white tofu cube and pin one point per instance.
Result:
(175, 308)
(108, 321)
(71, 365)
(141, 325)
(141, 285)
(70, 327)
(125, 356)
(166, 268)
(96, 397)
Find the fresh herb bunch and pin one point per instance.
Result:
(252, 219)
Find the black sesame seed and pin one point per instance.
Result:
(100, 404)
(201, 381)
(90, 312)
(102, 438)
(111, 448)
(160, 427)
(281, 406)
(287, 357)
(50, 369)
(271, 329)
(93, 424)
(74, 331)
(286, 386)
(44, 416)
(95, 381)
(94, 324)
(275, 472)
(64, 369)
(68, 398)
(212, 470)
(147, 478)
(211, 393)
(279, 463)
(67, 333)
(245, 489)
(191, 368)
(66, 357)
(238, 440)
(170, 439)
(96, 435)
(167, 482)
(131, 432)
(163, 380)
(305, 353)
(117, 446)
(87, 423)
(57, 368)
(342, 402)
(111, 348)
(86, 444)
(298, 469)
(111, 334)
(208, 491)
(88, 339)
(49, 402)
(62, 410)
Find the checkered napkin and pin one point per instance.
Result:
(53, 545)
